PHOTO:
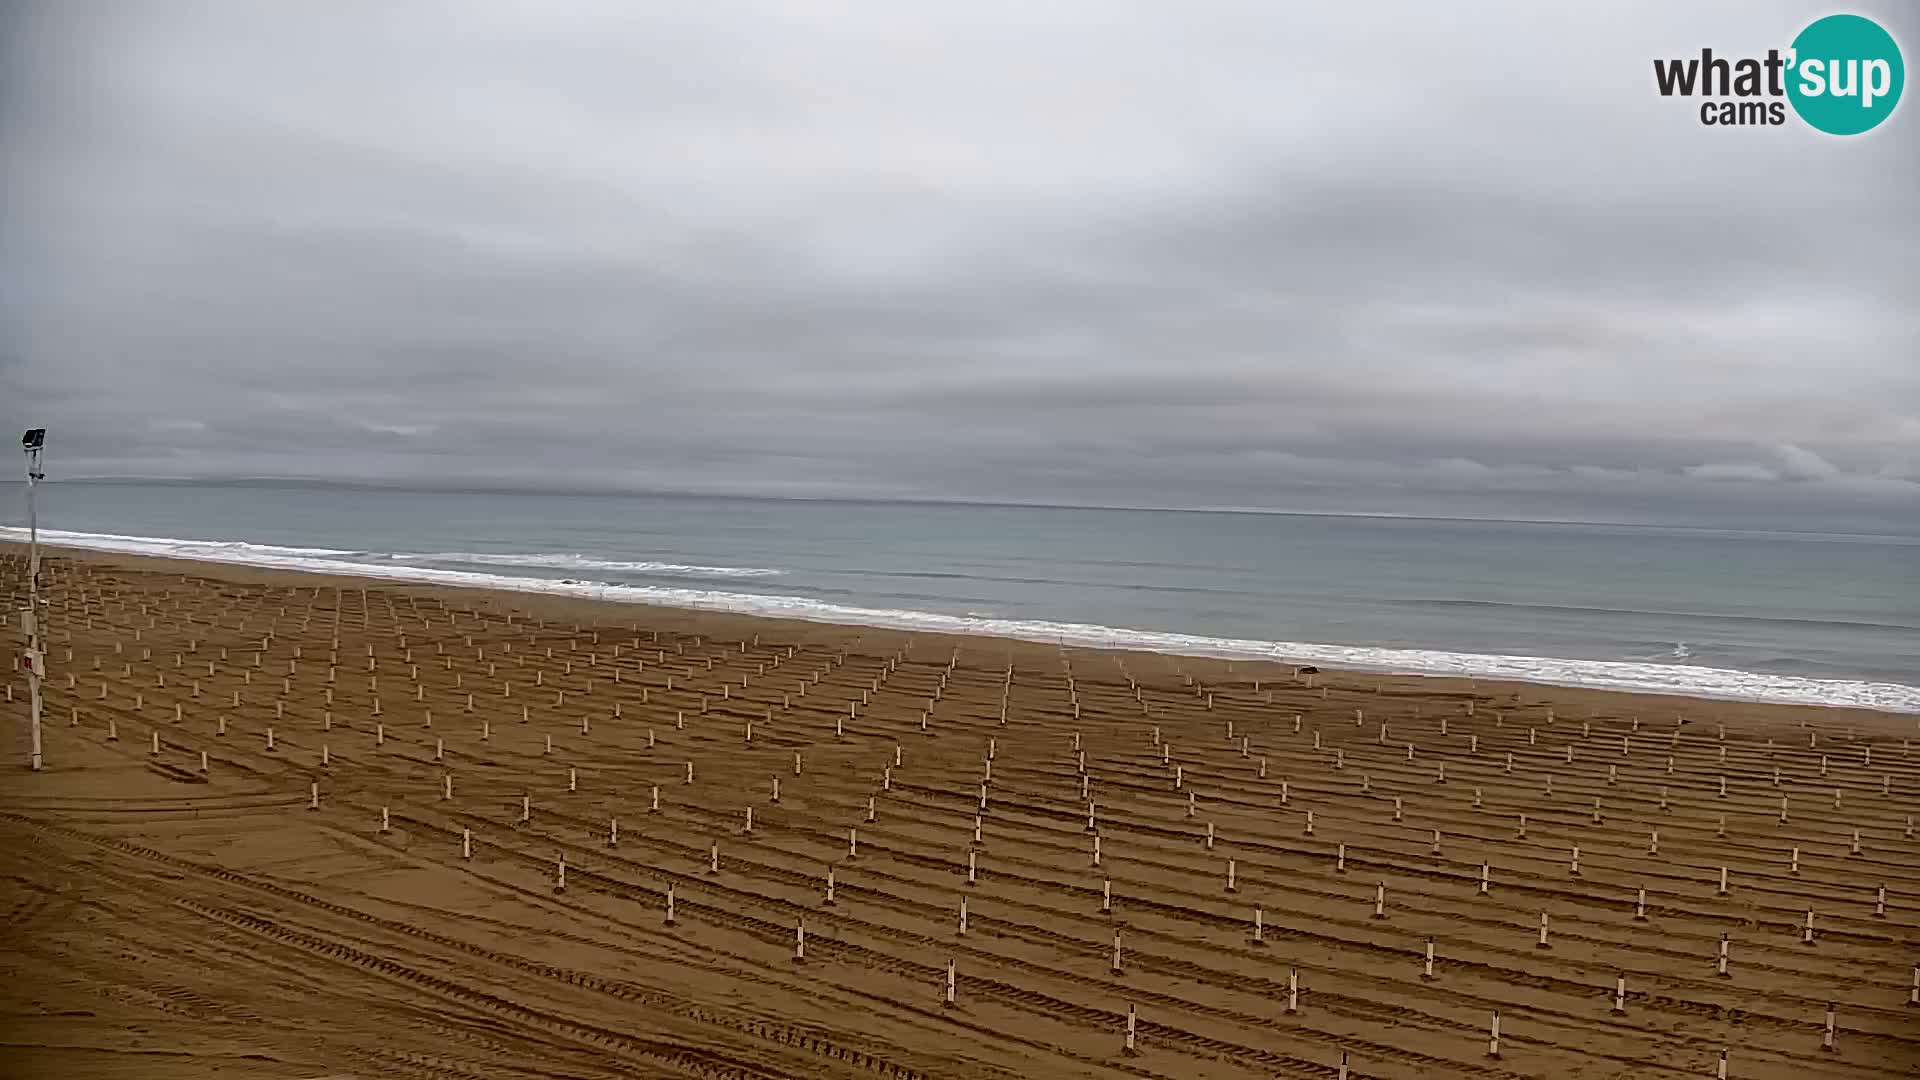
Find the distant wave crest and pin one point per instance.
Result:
(237, 550)
(1652, 677)
(247, 552)
(568, 561)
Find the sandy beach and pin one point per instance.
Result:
(301, 826)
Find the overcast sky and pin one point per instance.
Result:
(1099, 251)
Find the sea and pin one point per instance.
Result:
(1778, 616)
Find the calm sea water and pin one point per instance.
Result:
(1768, 615)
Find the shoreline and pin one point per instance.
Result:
(714, 616)
(471, 807)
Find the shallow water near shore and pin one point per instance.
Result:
(1828, 618)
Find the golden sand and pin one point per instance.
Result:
(169, 919)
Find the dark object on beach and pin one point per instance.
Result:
(1308, 670)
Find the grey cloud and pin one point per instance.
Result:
(1208, 256)
(1804, 464)
(1731, 471)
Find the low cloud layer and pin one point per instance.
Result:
(1171, 255)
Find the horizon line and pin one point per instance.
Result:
(503, 487)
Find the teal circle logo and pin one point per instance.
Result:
(1846, 74)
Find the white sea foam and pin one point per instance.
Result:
(1663, 678)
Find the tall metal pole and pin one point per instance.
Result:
(33, 681)
(33, 530)
(30, 619)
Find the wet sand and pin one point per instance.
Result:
(167, 920)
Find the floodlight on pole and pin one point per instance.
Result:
(33, 442)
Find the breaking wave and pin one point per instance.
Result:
(1645, 677)
(566, 561)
